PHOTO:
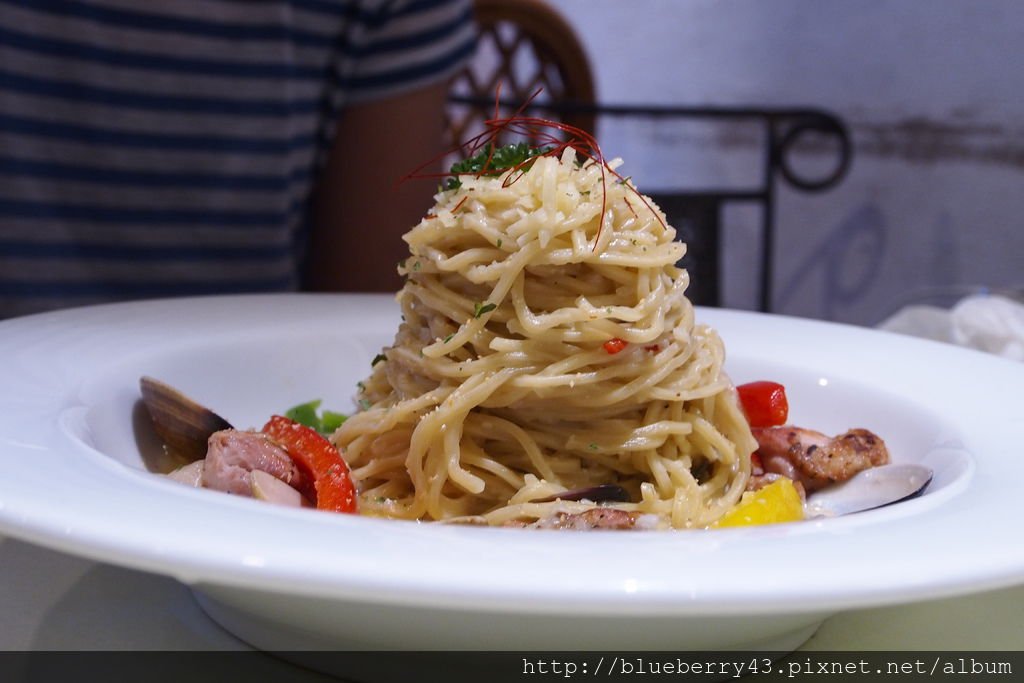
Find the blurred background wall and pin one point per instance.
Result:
(933, 94)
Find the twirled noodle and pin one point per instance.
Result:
(499, 390)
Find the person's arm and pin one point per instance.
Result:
(360, 210)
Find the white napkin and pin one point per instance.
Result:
(986, 322)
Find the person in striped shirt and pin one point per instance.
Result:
(184, 147)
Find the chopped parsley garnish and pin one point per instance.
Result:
(493, 161)
(480, 308)
(449, 338)
(364, 404)
(377, 359)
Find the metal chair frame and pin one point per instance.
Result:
(571, 100)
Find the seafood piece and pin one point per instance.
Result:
(189, 475)
(594, 518)
(272, 490)
(182, 424)
(814, 459)
(233, 454)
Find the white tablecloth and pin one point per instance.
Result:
(52, 601)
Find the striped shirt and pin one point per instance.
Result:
(168, 147)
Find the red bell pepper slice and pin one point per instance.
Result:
(764, 403)
(319, 459)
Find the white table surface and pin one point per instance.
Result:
(53, 601)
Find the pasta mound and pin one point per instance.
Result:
(547, 345)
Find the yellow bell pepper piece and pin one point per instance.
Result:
(777, 502)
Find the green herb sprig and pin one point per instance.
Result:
(493, 161)
(480, 308)
(325, 422)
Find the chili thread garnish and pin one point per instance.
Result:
(483, 157)
(629, 206)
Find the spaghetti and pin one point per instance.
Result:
(547, 345)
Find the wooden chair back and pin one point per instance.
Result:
(523, 46)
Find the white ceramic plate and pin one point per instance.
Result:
(74, 455)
